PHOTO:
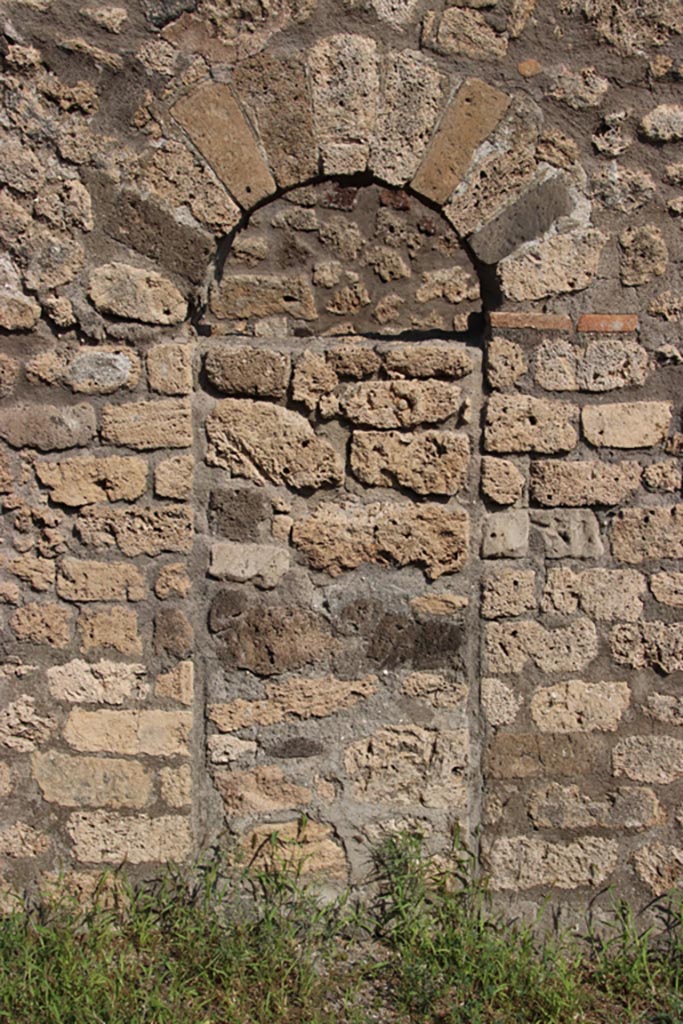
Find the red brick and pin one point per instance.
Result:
(529, 319)
(608, 323)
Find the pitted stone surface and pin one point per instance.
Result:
(433, 462)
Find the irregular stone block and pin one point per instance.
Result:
(663, 476)
(259, 791)
(577, 706)
(335, 538)
(469, 119)
(574, 533)
(173, 633)
(664, 123)
(520, 755)
(519, 423)
(242, 296)
(219, 130)
(101, 682)
(102, 371)
(47, 427)
(649, 644)
(409, 765)
(157, 733)
(91, 781)
(39, 573)
(653, 759)
(519, 862)
(505, 362)
(244, 370)
(567, 807)
(399, 403)
(427, 359)
(508, 646)
(42, 624)
(22, 728)
(137, 531)
(508, 593)
(301, 698)
(501, 480)
(667, 588)
(263, 441)
(174, 477)
(313, 377)
(265, 564)
(601, 593)
(527, 218)
(554, 265)
(178, 684)
(644, 254)
(87, 479)
(640, 534)
(499, 702)
(110, 627)
(169, 369)
(437, 689)
(409, 105)
(136, 294)
(660, 867)
(102, 837)
(240, 512)
(81, 580)
(506, 535)
(626, 424)
(604, 364)
(173, 581)
(582, 483)
(312, 849)
(467, 33)
(353, 360)
(160, 423)
(433, 462)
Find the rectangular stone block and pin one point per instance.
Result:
(524, 755)
(626, 424)
(102, 682)
(91, 781)
(569, 533)
(519, 423)
(578, 706)
(608, 323)
(48, 427)
(160, 423)
(139, 530)
(510, 645)
(110, 626)
(101, 837)
(567, 807)
(582, 483)
(519, 862)
(641, 534)
(89, 479)
(432, 462)
(245, 370)
(158, 733)
(81, 580)
(243, 296)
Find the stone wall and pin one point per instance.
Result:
(340, 451)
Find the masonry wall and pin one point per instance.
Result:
(341, 436)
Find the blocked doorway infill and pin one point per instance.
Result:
(340, 404)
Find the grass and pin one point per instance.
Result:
(232, 945)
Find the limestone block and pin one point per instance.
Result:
(604, 364)
(640, 534)
(101, 682)
(649, 644)
(501, 480)
(469, 119)
(102, 371)
(505, 535)
(553, 265)
(353, 360)
(169, 369)
(110, 627)
(664, 123)
(527, 218)
(507, 593)
(509, 645)
(663, 476)
(213, 120)
(579, 90)
(137, 531)
(172, 581)
(178, 684)
(298, 698)
(48, 624)
(312, 378)
(312, 849)
(136, 294)
(274, 91)
(433, 462)
(566, 807)
(20, 167)
(173, 633)
(241, 296)
(158, 733)
(22, 840)
(571, 533)
(39, 573)
(339, 537)
(176, 786)
(519, 423)
(466, 32)
(22, 727)
(505, 362)
(499, 702)
(402, 765)
(265, 564)
(626, 424)
(437, 689)
(245, 370)
(577, 706)
(160, 423)
(174, 477)
(410, 102)
(91, 781)
(88, 479)
(230, 750)
(259, 791)
(102, 837)
(653, 759)
(260, 441)
(518, 863)
(47, 427)
(667, 588)
(582, 483)
(659, 866)
(399, 403)
(85, 580)
(524, 755)
(644, 254)
(428, 359)
(607, 594)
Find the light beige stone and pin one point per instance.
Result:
(174, 477)
(264, 564)
(664, 123)
(137, 531)
(309, 848)
(519, 423)
(339, 537)
(505, 535)
(172, 581)
(433, 462)
(160, 423)
(649, 644)
(640, 534)
(554, 265)
(466, 33)
(102, 370)
(578, 706)
(91, 781)
(169, 369)
(626, 424)
(501, 480)
(245, 370)
(508, 646)
(440, 691)
(22, 727)
(230, 750)
(312, 378)
(39, 573)
(505, 362)
(176, 786)
(261, 441)
(582, 483)
(520, 862)
(399, 403)
(22, 840)
(47, 427)
(569, 533)
(442, 603)
(85, 580)
(508, 593)
(158, 733)
(243, 296)
(102, 682)
(667, 588)
(652, 759)
(136, 294)
(401, 765)
(48, 624)
(113, 627)
(428, 359)
(259, 791)
(499, 701)
(454, 284)
(601, 593)
(663, 476)
(88, 479)
(604, 364)
(566, 807)
(301, 698)
(665, 707)
(353, 360)
(178, 684)
(660, 866)
(103, 837)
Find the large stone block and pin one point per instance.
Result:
(611, 594)
(48, 427)
(527, 218)
(136, 294)
(110, 626)
(653, 759)
(264, 564)
(578, 706)
(428, 359)
(48, 624)
(641, 534)
(139, 530)
(519, 423)
(89, 479)
(567, 807)
(259, 791)
(626, 424)
(242, 296)
(86, 580)
(509, 645)
(649, 644)
(399, 403)
(103, 837)
(508, 593)
(101, 682)
(433, 462)
(158, 733)
(160, 423)
(569, 533)
(245, 370)
(296, 699)
(519, 863)
(91, 781)
(554, 265)
(604, 364)
(582, 483)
